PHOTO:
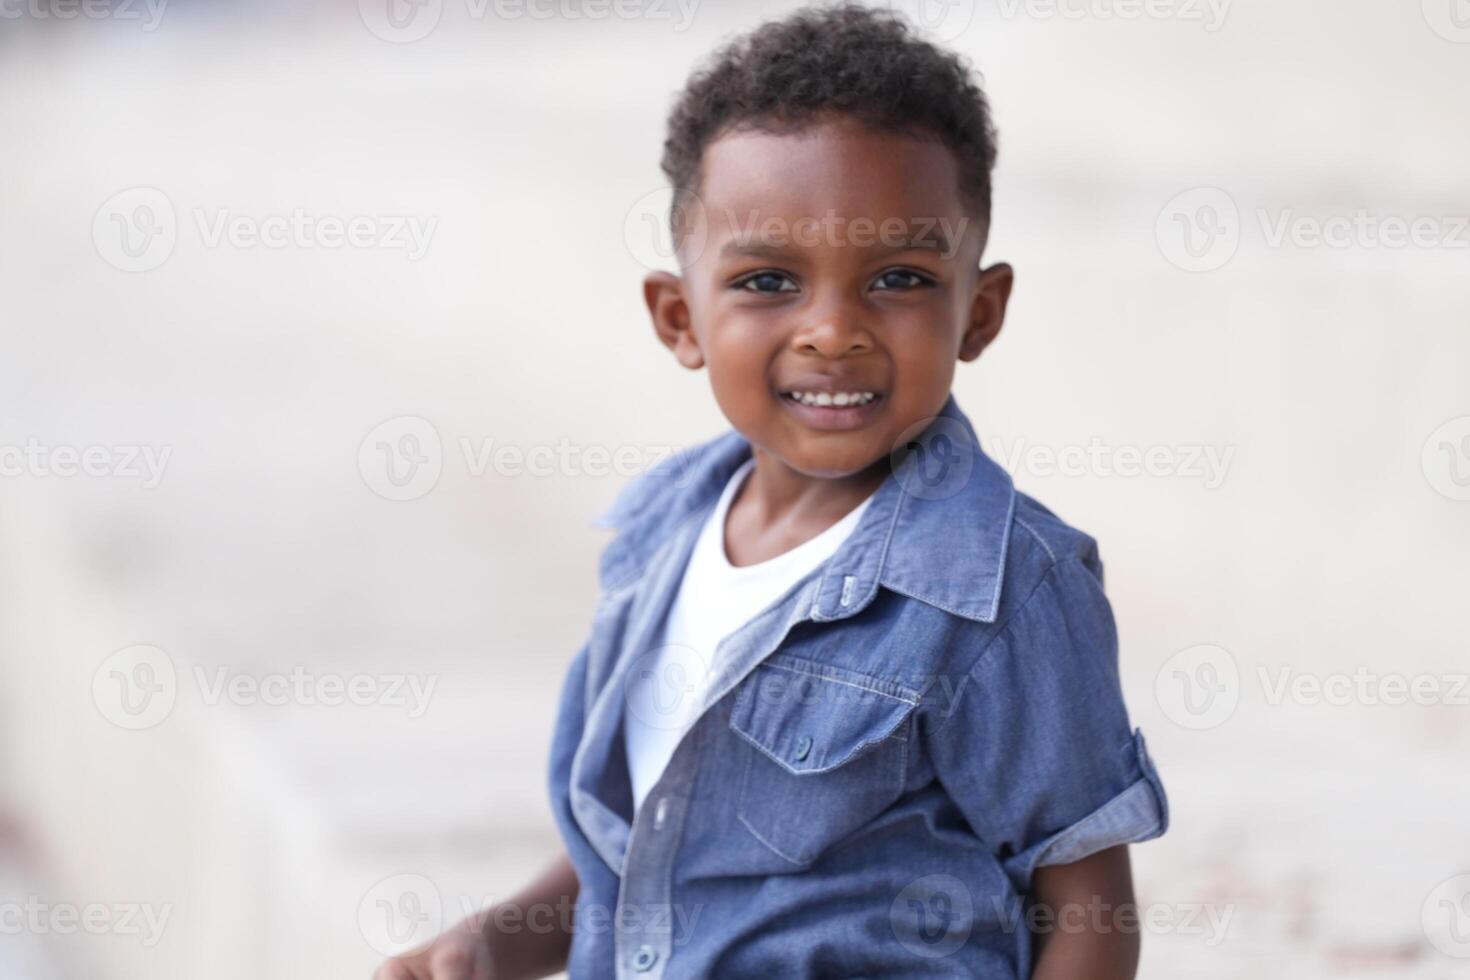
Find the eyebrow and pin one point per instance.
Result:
(934, 238)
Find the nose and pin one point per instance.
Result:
(832, 331)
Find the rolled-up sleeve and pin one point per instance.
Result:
(1036, 749)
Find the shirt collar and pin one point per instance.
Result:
(936, 530)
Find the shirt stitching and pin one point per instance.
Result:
(762, 838)
(1039, 539)
(907, 697)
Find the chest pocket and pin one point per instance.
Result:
(825, 749)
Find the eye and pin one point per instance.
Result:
(766, 282)
(901, 279)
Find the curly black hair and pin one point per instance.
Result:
(845, 59)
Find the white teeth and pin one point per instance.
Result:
(829, 399)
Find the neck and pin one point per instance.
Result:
(781, 494)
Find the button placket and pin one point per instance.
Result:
(645, 898)
(647, 865)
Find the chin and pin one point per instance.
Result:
(833, 463)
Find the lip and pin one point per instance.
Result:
(831, 418)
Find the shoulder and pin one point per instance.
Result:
(1040, 540)
(1053, 643)
(653, 504)
(1053, 580)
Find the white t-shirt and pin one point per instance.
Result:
(666, 687)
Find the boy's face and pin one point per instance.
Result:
(834, 265)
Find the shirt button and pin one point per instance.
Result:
(644, 958)
(803, 748)
(660, 813)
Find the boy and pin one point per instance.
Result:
(850, 703)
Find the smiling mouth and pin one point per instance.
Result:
(831, 399)
(833, 411)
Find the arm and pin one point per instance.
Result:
(1090, 919)
(525, 937)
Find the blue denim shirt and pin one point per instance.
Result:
(886, 754)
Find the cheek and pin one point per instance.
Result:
(930, 335)
(738, 361)
(742, 345)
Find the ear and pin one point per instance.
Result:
(664, 294)
(987, 309)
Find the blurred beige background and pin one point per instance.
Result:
(276, 697)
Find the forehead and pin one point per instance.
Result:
(841, 166)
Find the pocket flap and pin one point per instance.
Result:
(814, 718)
